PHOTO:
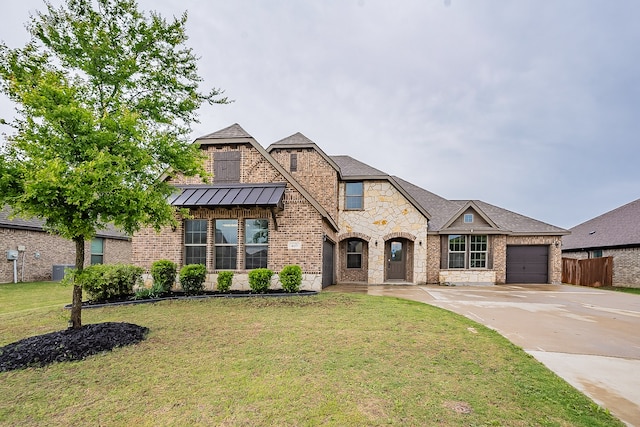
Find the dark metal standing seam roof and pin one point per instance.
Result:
(232, 195)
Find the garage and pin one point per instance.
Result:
(527, 264)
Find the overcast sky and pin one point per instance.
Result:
(528, 105)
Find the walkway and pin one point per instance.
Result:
(588, 337)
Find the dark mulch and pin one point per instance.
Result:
(70, 344)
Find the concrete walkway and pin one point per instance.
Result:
(589, 337)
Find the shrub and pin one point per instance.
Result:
(164, 274)
(109, 281)
(223, 283)
(291, 278)
(192, 278)
(260, 279)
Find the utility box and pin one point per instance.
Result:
(58, 271)
(12, 255)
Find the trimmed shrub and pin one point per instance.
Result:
(260, 280)
(291, 278)
(223, 283)
(192, 278)
(164, 274)
(103, 282)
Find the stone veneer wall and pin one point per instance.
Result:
(626, 265)
(467, 277)
(44, 250)
(386, 213)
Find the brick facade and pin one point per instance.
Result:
(44, 250)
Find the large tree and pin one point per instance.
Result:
(105, 96)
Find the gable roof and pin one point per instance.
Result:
(515, 223)
(619, 227)
(234, 134)
(299, 141)
(352, 169)
(37, 224)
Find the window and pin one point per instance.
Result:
(354, 253)
(226, 244)
(256, 243)
(478, 252)
(226, 166)
(195, 241)
(354, 196)
(97, 250)
(597, 253)
(468, 251)
(468, 218)
(457, 251)
(293, 162)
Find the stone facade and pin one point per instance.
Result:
(386, 215)
(43, 250)
(626, 264)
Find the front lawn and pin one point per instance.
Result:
(331, 359)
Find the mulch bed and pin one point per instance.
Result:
(69, 344)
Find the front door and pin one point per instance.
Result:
(396, 260)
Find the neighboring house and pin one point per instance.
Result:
(40, 253)
(341, 221)
(615, 234)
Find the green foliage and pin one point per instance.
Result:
(192, 278)
(260, 279)
(106, 95)
(291, 278)
(223, 283)
(104, 282)
(164, 274)
(156, 291)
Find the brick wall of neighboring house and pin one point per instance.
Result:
(626, 264)
(314, 173)
(387, 214)
(44, 250)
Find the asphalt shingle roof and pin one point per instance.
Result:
(233, 131)
(352, 168)
(37, 224)
(619, 227)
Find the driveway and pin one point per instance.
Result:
(589, 337)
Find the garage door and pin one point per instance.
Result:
(527, 264)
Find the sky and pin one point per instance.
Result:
(528, 105)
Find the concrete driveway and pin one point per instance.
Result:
(589, 337)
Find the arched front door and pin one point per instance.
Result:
(396, 257)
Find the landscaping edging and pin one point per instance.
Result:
(87, 304)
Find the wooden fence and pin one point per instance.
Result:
(588, 272)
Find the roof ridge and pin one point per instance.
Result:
(233, 131)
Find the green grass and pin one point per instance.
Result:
(621, 289)
(332, 359)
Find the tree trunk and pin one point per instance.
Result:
(76, 304)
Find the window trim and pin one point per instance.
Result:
(97, 254)
(348, 197)
(256, 245)
(354, 253)
(217, 245)
(469, 252)
(193, 245)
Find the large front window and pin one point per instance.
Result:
(467, 251)
(226, 244)
(195, 241)
(256, 243)
(354, 196)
